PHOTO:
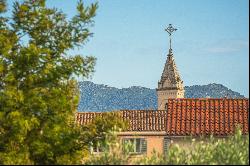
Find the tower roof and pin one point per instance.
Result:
(170, 78)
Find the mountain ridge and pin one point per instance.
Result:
(101, 97)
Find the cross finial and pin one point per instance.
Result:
(170, 30)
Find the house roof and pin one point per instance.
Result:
(186, 117)
(139, 120)
(206, 116)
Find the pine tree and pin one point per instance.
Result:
(38, 89)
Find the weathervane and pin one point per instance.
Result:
(170, 30)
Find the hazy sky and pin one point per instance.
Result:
(211, 44)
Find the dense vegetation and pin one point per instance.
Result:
(227, 151)
(210, 90)
(38, 92)
(95, 97)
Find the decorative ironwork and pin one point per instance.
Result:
(170, 29)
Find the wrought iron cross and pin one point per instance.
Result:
(170, 30)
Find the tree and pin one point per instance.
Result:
(99, 131)
(102, 134)
(38, 91)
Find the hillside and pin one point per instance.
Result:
(99, 97)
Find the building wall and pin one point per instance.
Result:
(156, 143)
(164, 95)
(153, 143)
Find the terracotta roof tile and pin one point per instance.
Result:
(206, 116)
(139, 120)
(186, 117)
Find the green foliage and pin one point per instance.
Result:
(101, 132)
(114, 152)
(233, 150)
(217, 151)
(2, 6)
(38, 91)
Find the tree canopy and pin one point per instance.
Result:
(38, 91)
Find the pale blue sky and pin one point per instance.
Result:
(130, 44)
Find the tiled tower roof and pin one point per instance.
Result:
(170, 76)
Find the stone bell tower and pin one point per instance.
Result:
(170, 85)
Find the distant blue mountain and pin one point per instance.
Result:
(99, 97)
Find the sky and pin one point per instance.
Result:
(211, 44)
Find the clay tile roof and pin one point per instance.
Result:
(84, 118)
(186, 117)
(139, 120)
(206, 116)
(146, 120)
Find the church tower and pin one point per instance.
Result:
(170, 85)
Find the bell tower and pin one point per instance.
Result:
(170, 85)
